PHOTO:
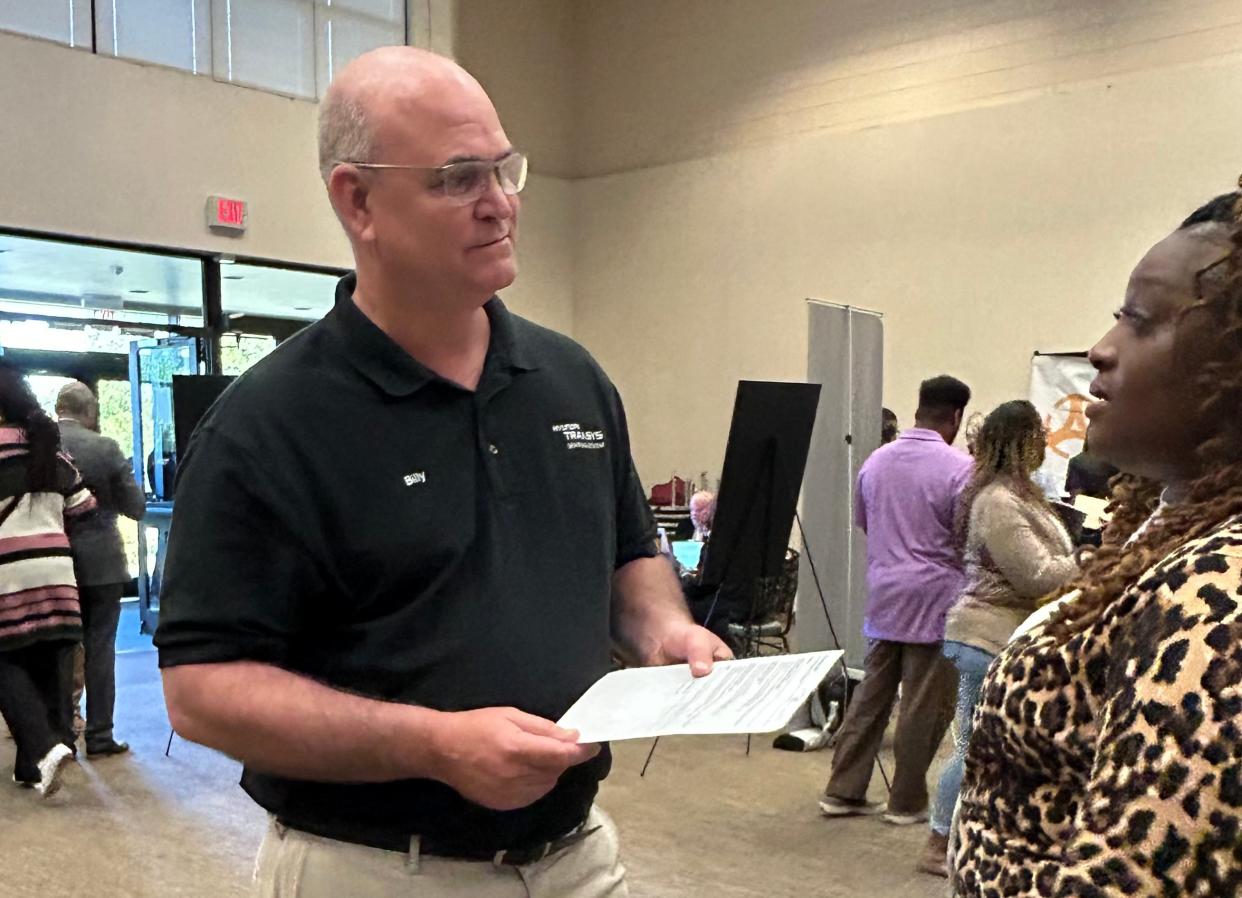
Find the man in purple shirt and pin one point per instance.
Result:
(907, 496)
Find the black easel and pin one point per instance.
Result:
(774, 470)
(769, 438)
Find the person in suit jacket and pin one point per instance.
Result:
(98, 554)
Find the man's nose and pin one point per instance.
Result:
(494, 202)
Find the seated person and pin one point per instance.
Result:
(702, 510)
(710, 606)
(713, 606)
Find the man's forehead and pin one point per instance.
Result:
(447, 119)
(401, 88)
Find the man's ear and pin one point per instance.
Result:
(350, 194)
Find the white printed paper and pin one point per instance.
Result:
(754, 695)
(1094, 509)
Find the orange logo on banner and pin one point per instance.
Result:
(1074, 427)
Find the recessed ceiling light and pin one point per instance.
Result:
(302, 308)
(139, 291)
(234, 277)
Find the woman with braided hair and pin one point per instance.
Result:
(40, 619)
(1016, 550)
(1106, 758)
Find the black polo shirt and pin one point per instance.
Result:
(347, 514)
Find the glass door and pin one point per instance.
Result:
(263, 305)
(152, 366)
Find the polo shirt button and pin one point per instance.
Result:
(491, 447)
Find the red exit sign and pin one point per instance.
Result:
(226, 214)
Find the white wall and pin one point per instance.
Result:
(543, 290)
(982, 237)
(660, 80)
(985, 223)
(100, 147)
(984, 172)
(521, 52)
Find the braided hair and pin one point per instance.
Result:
(1009, 444)
(1215, 495)
(20, 408)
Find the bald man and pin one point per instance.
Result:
(406, 539)
(99, 561)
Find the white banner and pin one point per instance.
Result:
(1059, 390)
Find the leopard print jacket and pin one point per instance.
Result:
(1112, 765)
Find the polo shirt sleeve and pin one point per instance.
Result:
(238, 579)
(860, 504)
(636, 526)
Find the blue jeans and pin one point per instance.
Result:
(972, 664)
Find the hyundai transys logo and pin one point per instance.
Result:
(576, 437)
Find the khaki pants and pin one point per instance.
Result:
(295, 864)
(928, 684)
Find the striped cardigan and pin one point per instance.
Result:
(38, 593)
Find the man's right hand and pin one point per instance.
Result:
(503, 758)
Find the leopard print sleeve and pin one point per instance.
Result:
(1161, 813)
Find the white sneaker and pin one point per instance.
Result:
(830, 806)
(904, 819)
(50, 769)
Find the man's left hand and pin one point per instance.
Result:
(693, 645)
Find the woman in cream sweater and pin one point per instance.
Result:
(1016, 551)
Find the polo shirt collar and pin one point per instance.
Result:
(922, 433)
(378, 357)
(507, 346)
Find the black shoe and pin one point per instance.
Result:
(111, 747)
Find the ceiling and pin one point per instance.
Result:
(78, 280)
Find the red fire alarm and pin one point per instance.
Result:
(226, 214)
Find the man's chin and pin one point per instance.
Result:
(498, 279)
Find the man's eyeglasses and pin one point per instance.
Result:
(466, 181)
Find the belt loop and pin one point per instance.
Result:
(413, 859)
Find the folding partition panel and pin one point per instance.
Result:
(846, 356)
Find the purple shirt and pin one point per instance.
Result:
(907, 493)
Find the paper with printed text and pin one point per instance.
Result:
(754, 695)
